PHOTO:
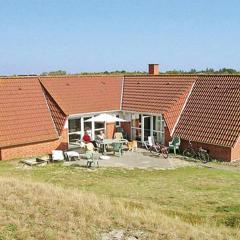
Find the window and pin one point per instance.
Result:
(136, 133)
(158, 128)
(87, 126)
(74, 128)
(118, 124)
(99, 126)
(74, 125)
(136, 127)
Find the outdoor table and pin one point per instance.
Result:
(109, 141)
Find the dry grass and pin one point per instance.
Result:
(43, 211)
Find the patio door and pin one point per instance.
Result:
(158, 129)
(146, 127)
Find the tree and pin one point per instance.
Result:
(227, 71)
(193, 71)
(52, 73)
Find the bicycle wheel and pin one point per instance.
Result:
(151, 149)
(204, 157)
(154, 150)
(164, 152)
(189, 152)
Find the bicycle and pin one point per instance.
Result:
(163, 150)
(156, 148)
(199, 153)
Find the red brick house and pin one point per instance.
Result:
(35, 112)
(211, 117)
(39, 114)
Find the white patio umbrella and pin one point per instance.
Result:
(106, 118)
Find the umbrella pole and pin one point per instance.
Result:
(105, 126)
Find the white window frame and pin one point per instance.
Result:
(152, 131)
(118, 124)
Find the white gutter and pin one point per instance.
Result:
(91, 113)
(146, 113)
(122, 93)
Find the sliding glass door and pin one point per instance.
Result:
(158, 129)
(144, 125)
(141, 127)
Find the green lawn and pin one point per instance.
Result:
(195, 196)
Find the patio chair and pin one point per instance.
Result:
(175, 144)
(120, 129)
(118, 148)
(152, 144)
(91, 157)
(118, 135)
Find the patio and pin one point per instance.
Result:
(139, 159)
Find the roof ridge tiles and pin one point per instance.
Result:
(61, 76)
(163, 75)
(82, 75)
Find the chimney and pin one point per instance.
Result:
(153, 69)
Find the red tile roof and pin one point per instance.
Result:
(157, 94)
(85, 94)
(24, 115)
(212, 113)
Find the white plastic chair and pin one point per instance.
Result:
(151, 145)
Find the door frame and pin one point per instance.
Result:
(143, 126)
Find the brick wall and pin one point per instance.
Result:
(110, 129)
(236, 152)
(216, 152)
(167, 136)
(153, 69)
(127, 128)
(35, 149)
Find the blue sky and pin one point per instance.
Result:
(106, 35)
